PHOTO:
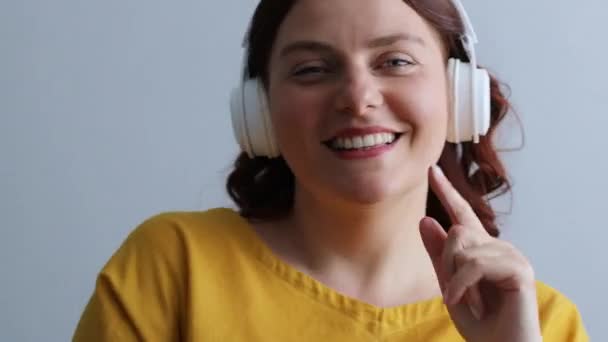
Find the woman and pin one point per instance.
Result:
(351, 233)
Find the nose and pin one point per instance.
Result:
(359, 93)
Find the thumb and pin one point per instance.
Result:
(434, 237)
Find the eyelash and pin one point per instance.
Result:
(312, 70)
(400, 60)
(308, 70)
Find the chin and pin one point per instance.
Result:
(378, 188)
(370, 193)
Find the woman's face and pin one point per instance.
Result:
(358, 97)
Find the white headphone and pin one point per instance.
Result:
(469, 113)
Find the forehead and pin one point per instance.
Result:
(351, 23)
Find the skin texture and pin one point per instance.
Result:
(356, 224)
(488, 285)
(401, 86)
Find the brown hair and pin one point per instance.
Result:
(263, 188)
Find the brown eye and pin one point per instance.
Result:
(310, 70)
(396, 63)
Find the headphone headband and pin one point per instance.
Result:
(469, 31)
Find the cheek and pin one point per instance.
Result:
(295, 114)
(424, 105)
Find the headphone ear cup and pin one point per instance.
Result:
(483, 97)
(469, 116)
(251, 120)
(237, 111)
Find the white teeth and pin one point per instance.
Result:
(364, 141)
(379, 138)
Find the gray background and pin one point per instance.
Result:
(112, 111)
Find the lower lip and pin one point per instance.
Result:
(365, 153)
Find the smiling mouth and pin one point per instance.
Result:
(362, 142)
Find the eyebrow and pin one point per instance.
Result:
(394, 38)
(316, 46)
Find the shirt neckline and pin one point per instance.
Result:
(375, 317)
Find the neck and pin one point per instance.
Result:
(363, 250)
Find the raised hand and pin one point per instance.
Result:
(487, 284)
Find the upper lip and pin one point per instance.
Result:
(361, 131)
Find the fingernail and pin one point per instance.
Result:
(424, 221)
(437, 169)
(446, 294)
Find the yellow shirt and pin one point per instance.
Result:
(207, 276)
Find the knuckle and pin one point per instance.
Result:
(457, 232)
(461, 258)
(463, 237)
(475, 263)
(509, 248)
(461, 209)
(524, 267)
(527, 270)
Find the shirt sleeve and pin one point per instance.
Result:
(561, 320)
(138, 295)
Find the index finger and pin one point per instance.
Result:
(458, 208)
